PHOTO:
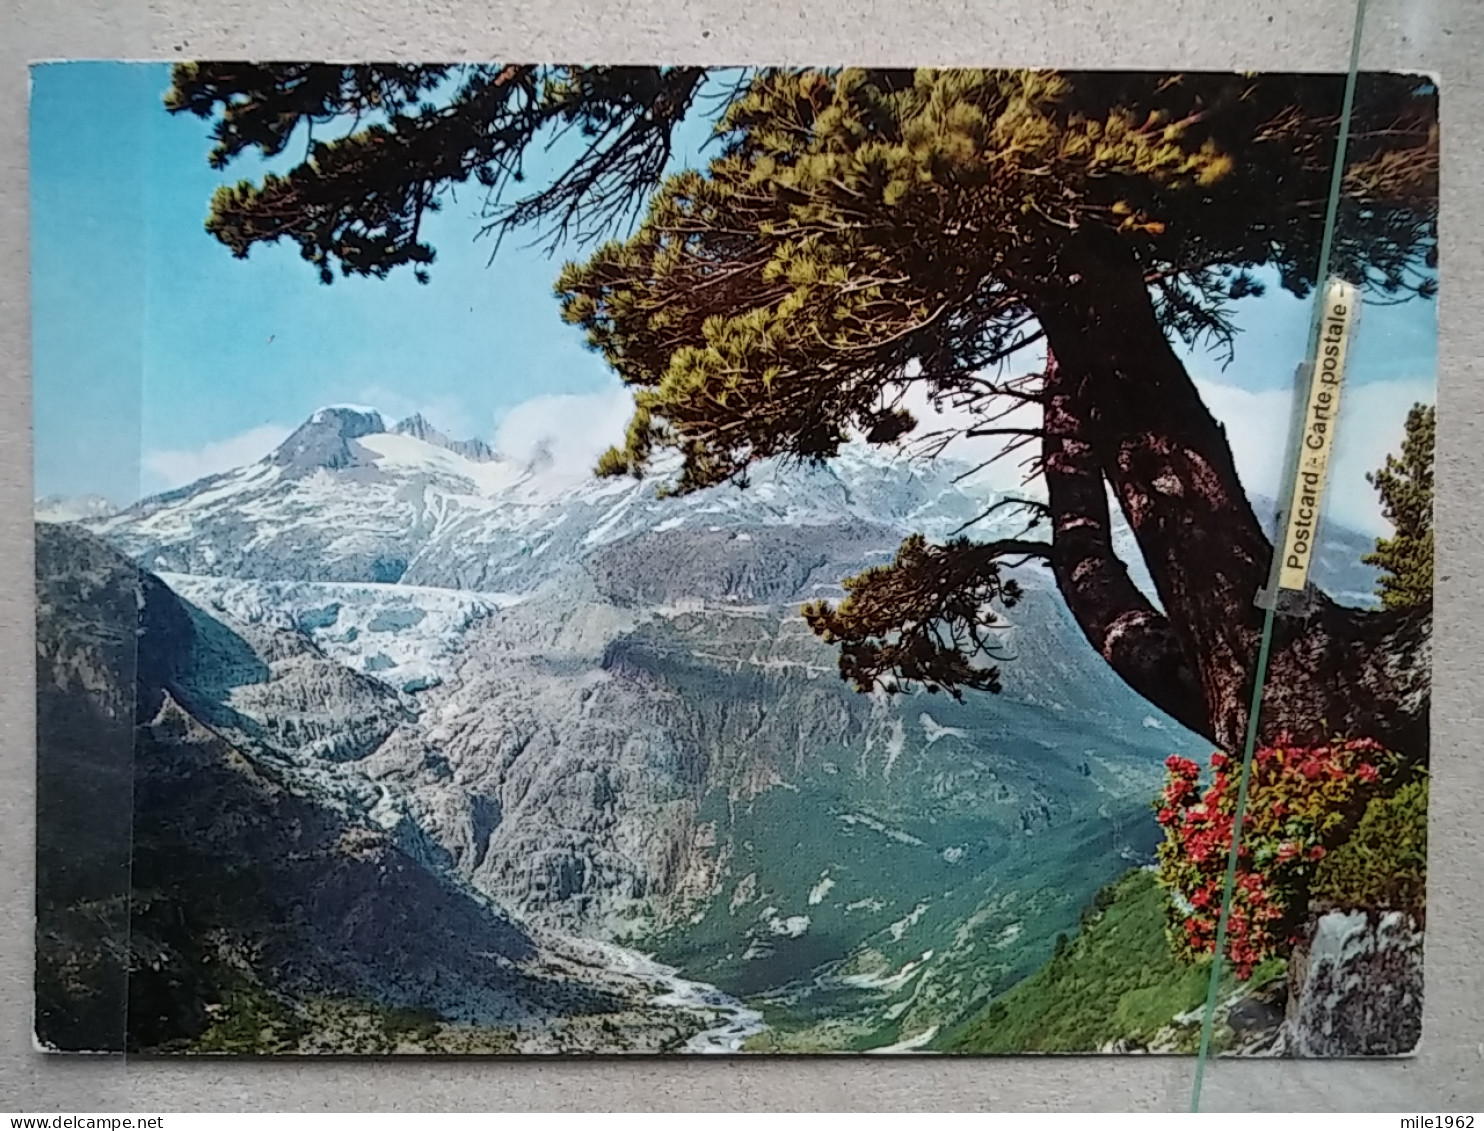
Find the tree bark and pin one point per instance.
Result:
(1116, 617)
(1337, 670)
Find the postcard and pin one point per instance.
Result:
(589, 559)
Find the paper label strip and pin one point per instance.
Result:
(1317, 435)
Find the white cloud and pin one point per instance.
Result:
(1256, 428)
(1257, 424)
(1373, 423)
(564, 434)
(169, 468)
(1006, 475)
(1372, 419)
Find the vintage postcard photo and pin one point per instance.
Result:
(586, 559)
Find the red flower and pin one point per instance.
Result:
(1182, 767)
(1294, 793)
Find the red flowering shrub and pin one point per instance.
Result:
(1300, 802)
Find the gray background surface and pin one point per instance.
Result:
(1444, 37)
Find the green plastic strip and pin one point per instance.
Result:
(1218, 958)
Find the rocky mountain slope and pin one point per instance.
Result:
(596, 712)
(348, 498)
(344, 498)
(247, 864)
(695, 779)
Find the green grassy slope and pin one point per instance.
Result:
(1116, 981)
(880, 870)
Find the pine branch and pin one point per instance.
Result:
(924, 620)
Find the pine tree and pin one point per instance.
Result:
(862, 235)
(1405, 487)
(413, 132)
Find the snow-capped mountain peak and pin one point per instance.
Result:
(347, 498)
(333, 439)
(324, 440)
(419, 427)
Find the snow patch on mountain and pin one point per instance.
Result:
(331, 410)
(933, 730)
(347, 499)
(418, 427)
(58, 508)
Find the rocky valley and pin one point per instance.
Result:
(430, 750)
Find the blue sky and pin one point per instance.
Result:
(157, 356)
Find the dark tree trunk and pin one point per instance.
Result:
(1139, 416)
(1118, 620)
